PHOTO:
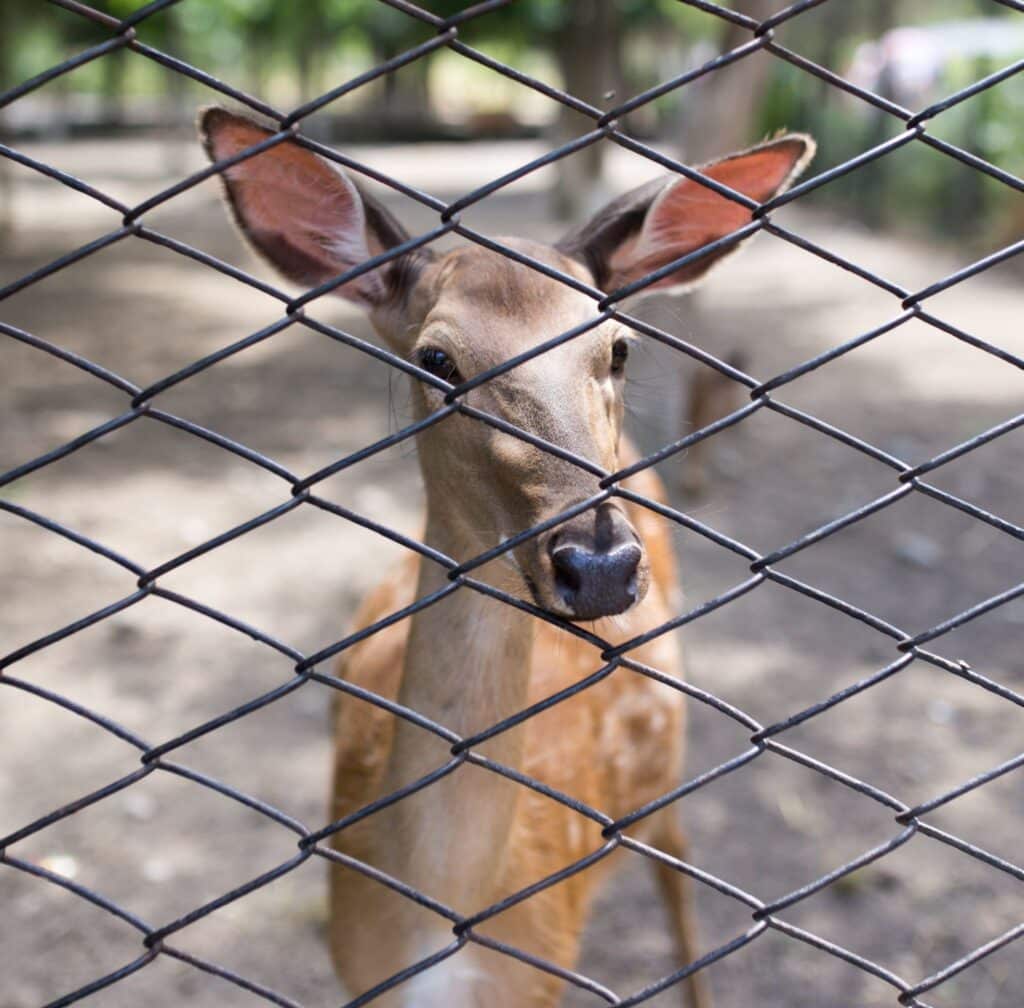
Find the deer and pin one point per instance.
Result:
(473, 836)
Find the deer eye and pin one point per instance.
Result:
(439, 364)
(620, 353)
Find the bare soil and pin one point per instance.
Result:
(166, 844)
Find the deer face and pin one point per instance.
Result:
(464, 312)
(474, 309)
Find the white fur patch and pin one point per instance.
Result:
(460, 981)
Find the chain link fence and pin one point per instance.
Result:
(906, 646)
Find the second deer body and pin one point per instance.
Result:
(473, 837)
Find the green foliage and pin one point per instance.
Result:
(915, 188)
(290, 49)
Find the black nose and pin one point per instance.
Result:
(594, 584)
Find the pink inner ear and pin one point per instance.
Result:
(688, 215)
(761, 173)
(287, 196)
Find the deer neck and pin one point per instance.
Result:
(467, 665)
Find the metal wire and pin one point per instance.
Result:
(298, 492)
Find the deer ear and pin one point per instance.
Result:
(664, 220)
(304, 216)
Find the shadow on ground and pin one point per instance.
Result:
(152, 492)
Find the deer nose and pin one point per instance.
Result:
(594, 583)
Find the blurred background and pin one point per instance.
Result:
(913, 52)
(447, 124)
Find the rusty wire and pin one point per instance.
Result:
(299, 491)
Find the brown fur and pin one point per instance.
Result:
(615, 747)
(474, 837)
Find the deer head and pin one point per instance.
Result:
(458, 313)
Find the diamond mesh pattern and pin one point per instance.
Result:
(298, 490)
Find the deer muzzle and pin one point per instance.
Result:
(598, 566)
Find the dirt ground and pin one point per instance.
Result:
(166, 845)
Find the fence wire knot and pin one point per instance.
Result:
(765, 741)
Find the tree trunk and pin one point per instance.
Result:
(6, 188)
(177, 129)
(722, 118)
(589, 58)
(115, 105)
(305, 55)
(874, 182)
(256, 60)
(404, 95)
(723, 111)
